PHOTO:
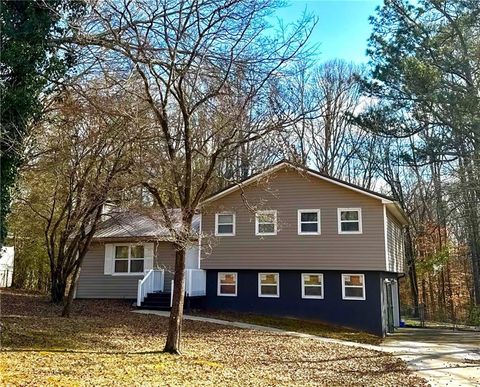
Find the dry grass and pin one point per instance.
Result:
(105, 344)
(296, 325)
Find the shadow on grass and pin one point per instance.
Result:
(311, 327)
(8, 350)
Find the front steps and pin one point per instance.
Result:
(157, 301)
(161, 301)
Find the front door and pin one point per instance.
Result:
(389, 297)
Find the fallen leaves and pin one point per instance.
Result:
(104, 344)
(295, 325)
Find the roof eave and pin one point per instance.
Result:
(284, 164)
(397, 211)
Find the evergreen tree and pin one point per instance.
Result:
(425, 76)
(30, 60)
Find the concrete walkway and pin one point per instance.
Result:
(263, 328)
(443, 357)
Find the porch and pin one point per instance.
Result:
(154, 293)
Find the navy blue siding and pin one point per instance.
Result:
(364, 315)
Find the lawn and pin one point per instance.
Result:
(105, 344)
(296, 325)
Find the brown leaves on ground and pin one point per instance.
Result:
(296, 325)
(105, 344)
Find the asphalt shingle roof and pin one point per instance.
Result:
(128, 224)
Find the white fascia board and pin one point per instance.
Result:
(398, 213)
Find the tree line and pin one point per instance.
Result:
(179, 99)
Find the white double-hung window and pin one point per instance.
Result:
(312, 285)
(268, 285)
(349, 220)
(227, 284)
(129, 259)
(225, 224)
(353, 286)
(266, 222)
(308, 222)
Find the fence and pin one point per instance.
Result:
(428, 316)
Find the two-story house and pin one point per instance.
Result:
(286, 242)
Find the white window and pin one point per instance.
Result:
(349, 220)
(225, 224)
(312, 285)
(268, 285)
(308, 222)
(353, 286)
(129, 259)
(266, 223)
(227, 284)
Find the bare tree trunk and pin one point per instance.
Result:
(451, 301)
(475, 251)
(433, 304)
(176, 315)
(468, 179)
(71, 292)
(412, 271)
(57, 290)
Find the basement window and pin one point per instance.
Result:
(227, 284)
(312, 285)
(353, 286)
(268, 285)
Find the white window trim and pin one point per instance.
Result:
(219, 293)
(274, 212)
(339, 220)
(299, 226)
(217, 224)
(139, 273)
(312, 286)
(260, 286)
(354, 286)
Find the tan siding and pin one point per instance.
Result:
(395, 245)
(94, 284)
(288, 191)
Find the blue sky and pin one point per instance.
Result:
(342, 29)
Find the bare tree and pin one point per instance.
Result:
(202, 66)
(327, 136)
(77, 154)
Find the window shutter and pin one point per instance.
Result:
(149, 249)
(108, 265)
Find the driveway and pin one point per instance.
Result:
(443, 357)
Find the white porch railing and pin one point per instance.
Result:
(195, 283)
(152, 282)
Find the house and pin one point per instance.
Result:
(7, 254)
(289, 241)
